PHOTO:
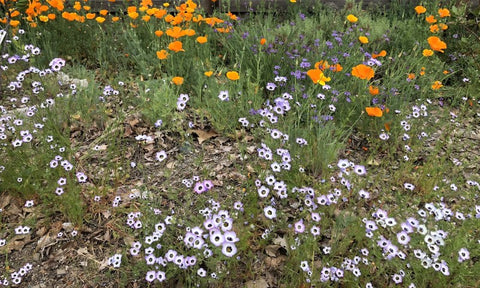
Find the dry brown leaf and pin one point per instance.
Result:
(280, 241)
(251, 149)
(44, 241)
(149, 147)
(41, 231)
(133, 122)
(128, 131)
(204, 135)
(275, 262)
(272, 250)
(4, 201)
(234, 175)
(227, 148)
(106, 236)
(13, 210)
(16, 243)
(83, 251)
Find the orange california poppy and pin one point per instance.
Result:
(197, 18)
(90, 16)
(363, 71)
(431, 19)
(336, 68)
(436, 44)
(373, 90)
(420, 9)
(374, 111)
(176, 46)
(77, 6)
(263, 41)
(223, 30)
(232, 16)
(43, 8)
(51, 16)
(115, 18)
(169, 18)
(363, 39)
(411, 76)
(152, 11)
(443, 26)
(427, 52)
(232, 75)
(351, 18)
(317, 76)
(443, 12)
(208, 73)
(14, 23)
(43, 18)
(177, 80)
(322, 65)
(160, 13)
(57, 4)
(134, 15)
(100, 19)
(162, 54)
(79, 18)
(158, 33)
(202, 39)
(437, 85)
(14, 14)
(212, 21)
(68, 16)
(382, 53)
(103, 12)
(146, 3)
(434, 28)
(175, 32)
(189, 32)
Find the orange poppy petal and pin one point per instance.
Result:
(374, 111)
